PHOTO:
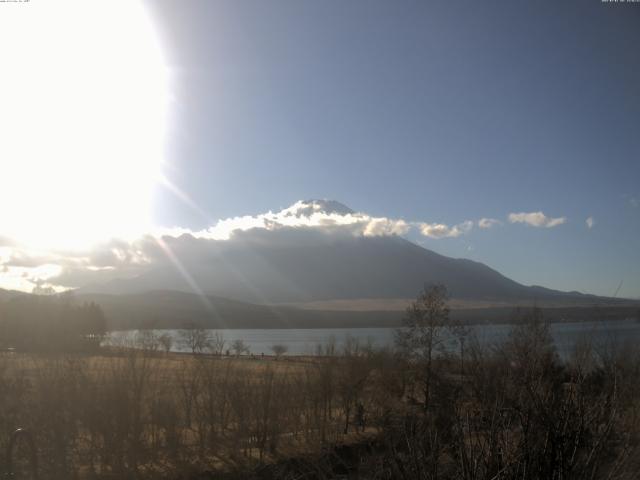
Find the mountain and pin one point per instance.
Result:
(308, 207)
(300, 263)
(348, 268)
(315, 264)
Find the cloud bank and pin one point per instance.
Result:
(305, 222)
(320, 214)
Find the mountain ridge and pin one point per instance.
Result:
(164, 309)
(348, 267)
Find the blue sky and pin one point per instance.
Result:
(427, 111)
(423, 116)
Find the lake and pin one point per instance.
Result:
(304, 341)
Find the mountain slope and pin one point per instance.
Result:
(273, 271)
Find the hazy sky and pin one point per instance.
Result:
(433, 111)
(505, 132)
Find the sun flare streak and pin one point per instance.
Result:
(186, 275)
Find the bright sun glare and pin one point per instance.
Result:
(82, 113)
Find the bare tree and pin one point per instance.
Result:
(351, 378)
(147, 340)
(166, 342)
(239, 347)
(426, 327)
(327, 349)
(196, 339)
(279, 350)
(217, 343)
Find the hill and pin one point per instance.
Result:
(175, 309)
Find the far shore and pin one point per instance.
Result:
(389, 319)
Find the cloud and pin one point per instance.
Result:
(320, 214)
(634, 202)
(383, 226)
(440, 230)
(25, 278)
(488, 222)
(314, 222)
(590, 222)
(23, 268)
(6, 241)
(536, 219)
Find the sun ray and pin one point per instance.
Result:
(187, 277)
(186, 199)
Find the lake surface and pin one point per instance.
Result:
(305, 341)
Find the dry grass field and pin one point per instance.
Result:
(156, 414)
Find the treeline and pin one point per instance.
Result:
(45, 323)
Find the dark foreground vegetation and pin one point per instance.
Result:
(418, 411)
(50, 323)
